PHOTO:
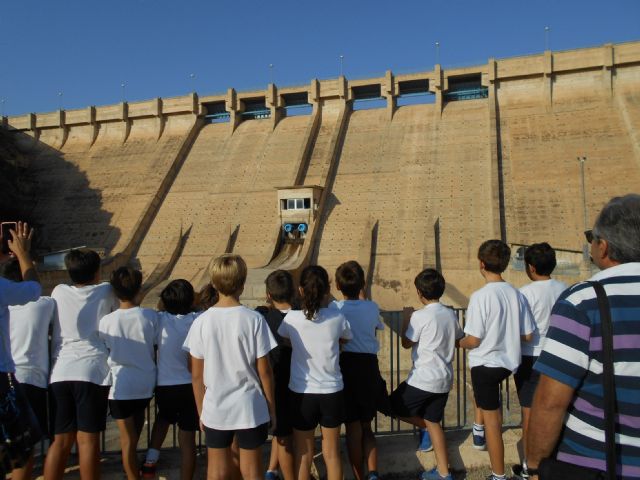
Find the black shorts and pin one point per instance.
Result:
(486, 386)
(408, 401)
(121, 409)
(284, 427)
(248, 439)
(78, 406)
(526, 379)
(176, 404)
(310, 409)
(361, 377)
(37, 398)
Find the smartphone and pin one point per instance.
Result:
(6, 228)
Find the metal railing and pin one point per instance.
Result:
(467, 94)
(395, 364)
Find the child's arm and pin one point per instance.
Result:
(266, 379)
(406, 318)
(469, 342)
(197, 381)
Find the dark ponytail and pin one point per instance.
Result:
(314, 282)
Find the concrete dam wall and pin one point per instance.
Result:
(487, 151)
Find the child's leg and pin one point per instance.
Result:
(303, 446)
(128, 428)
(158, 434)
(331, 452)
(369, 447)
(57, 455)
(187, 442)
(251, 463)
(354, 448)
(526, 414)
(235, 460)
(25, 472)
(439, 447)
(493, 434)
(285, 456)
(219, 464)
(89, 454)
(273, 456)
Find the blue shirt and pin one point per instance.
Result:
(364, 318)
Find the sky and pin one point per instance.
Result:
(86, 49)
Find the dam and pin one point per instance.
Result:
(399, 172)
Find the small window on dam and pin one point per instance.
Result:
(367, 97)
(255, 109)
(466, 87)
(296, 204)
(297, 104)
(216, 112)
(414, 92)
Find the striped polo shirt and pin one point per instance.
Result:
(572, 354)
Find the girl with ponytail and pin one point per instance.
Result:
(315, 333)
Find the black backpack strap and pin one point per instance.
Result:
(608, 378)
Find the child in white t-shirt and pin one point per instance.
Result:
(130, 336)
(498, 318)
(80, 376)
(431, 333)
(174, 393)
(231, 376)
(316, 385)
(29, 334)
(541, 294)
(359, 367)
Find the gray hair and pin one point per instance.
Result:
(619, 224)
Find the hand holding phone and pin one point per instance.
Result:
(5, 229)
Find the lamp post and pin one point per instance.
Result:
(60, 100)
(2, 100)
(123, 85)
(341, 65)
(192, 76)
(271, 73)
(437, 53)
(582, 160)
(546, 38)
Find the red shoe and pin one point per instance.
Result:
(148, 470)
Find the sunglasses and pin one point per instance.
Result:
(588, 234)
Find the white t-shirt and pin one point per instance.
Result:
(435, 330)
(230, 339)
(498, 314)
(78, 353)
(12, 293)
(173, 361)
(364, 319)
(541, 296)
(315, 360)
(30, 340)
(130, 335)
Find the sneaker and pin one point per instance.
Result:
(271, 475)
(520, 472)
(424, 441)
(148, 470)
(373, 475)
(433, 474)
(479, 442)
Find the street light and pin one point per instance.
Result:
(192, 76)
(437, 53)
(341, 65)
(546, 38)
(60, 100)
(123, 86)
(271, 73)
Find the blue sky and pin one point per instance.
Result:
(86, 49)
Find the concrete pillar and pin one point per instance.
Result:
(607, 68)
(125, 119)
(390, 91)
(159, 117)
(64, 128)
(547, 87)
(343, 87)
(436, 86)
(271, 101)
(231, 106)
(495, 154)
(91, 118)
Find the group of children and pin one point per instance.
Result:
(239, 374)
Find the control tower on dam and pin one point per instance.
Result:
(398, 172)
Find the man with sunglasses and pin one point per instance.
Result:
(567, 415)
